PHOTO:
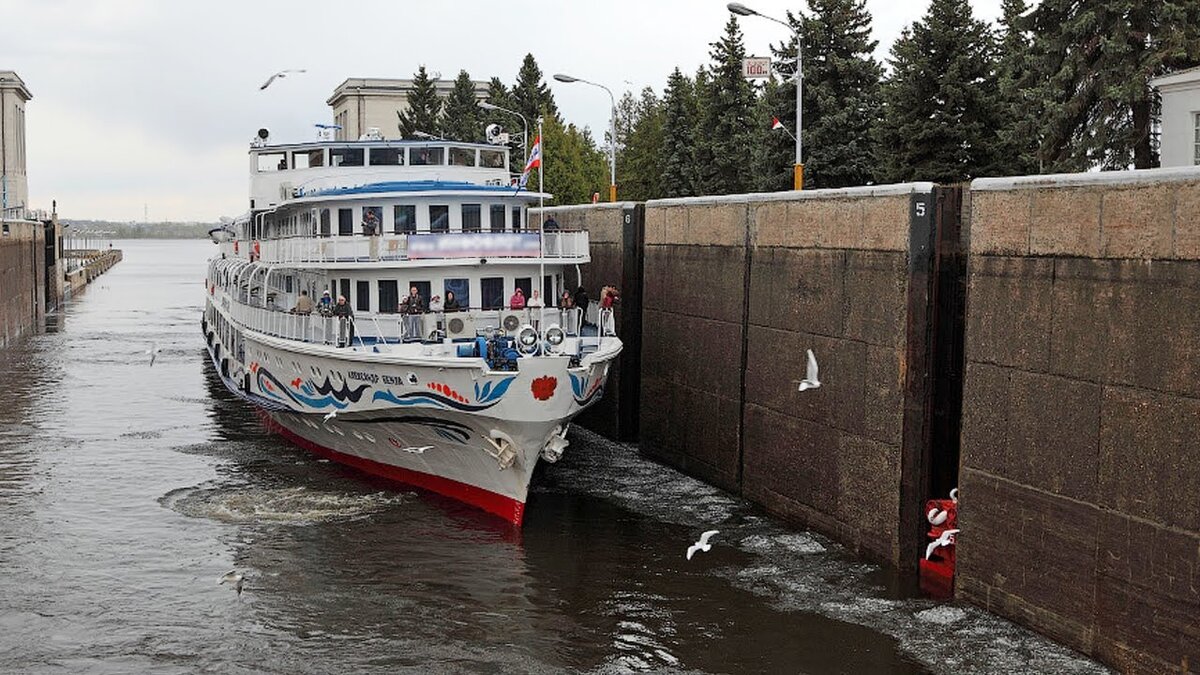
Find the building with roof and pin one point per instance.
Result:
(362, 103)
(1180, 117)
(14, 187)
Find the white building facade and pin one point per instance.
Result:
(1180, 140)
(361, 103)
(14, 186)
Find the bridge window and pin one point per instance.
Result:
(387, 156)
(272, 161)
(427, 156)
(439, 218)
(471, 217)
(516, 219)
(346, 157)
(306, 159)
(492, 159)
(462, 157)
(496, 217)
(404, 219)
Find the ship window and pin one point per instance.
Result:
(492, 291)
(324, 222)
(492, 159)
(426, 156)
(362, 303)
(305, 159)
(272, 161)
(496, 217)
(316, 157)
(525, 284)
(345, 289)
(387, 156)
(439, 218)
(389, 296)
(346, 157)
(422, 290)
(516, 219)
(471, 217)
(345, 222)
(461, 289)
(462, 157)
(404, 220)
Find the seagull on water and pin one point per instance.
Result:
(810, 380)
(701, 545)
(331, 414)
(282, 73)
(153, 352)
(232, 577)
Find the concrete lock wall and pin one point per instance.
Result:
(22, 274)
(615, 232)
(1080, 466)
(736, 290)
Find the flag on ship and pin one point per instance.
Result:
(776, 124)
(535, 161)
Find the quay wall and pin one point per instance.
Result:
(615, 233)
(736, 289)
(1080, 465)
(22, 279)
(92, 263)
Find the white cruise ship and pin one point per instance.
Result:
(461, 401)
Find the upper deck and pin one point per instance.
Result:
(281, 173)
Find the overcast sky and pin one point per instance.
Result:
(145, 104)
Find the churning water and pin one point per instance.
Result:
(127, 490)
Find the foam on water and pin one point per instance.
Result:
(291, 506)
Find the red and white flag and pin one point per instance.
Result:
(535, 161)
(776, 124)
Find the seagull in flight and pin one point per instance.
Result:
(810, 380)
(232, 577)
(331, 414)
(282, 73)
(701, 545)
(153, 352)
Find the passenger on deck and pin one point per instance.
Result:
(304, 304)
(325, 306)
(609, 295)
(451, 304)
(517, 301)
(551, 225)
(413, 304)
(565, 301)
(581, 301)
(435, 304)
(535, 300)
(370, 224)
(346, 327)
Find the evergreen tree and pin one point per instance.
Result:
(842, 100)
(574, 167)
(463, 116)
(424, 107)
(531, 95)
(1093, 62)
(678, 145)
(942, 106)
(1020, 131)
(774, 151)
(704, 171)
(639, 161)
(727, 110)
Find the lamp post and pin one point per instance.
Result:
(612, 139)
(524, 125)
(798, 172)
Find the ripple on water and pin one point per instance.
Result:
(287, 506)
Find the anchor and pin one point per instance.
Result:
(505, 453)
(556, 444)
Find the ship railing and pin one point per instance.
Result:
(397, 247)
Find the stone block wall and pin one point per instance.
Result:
(736, 290)
(1080, 467)
(615, 235)
(22, 279)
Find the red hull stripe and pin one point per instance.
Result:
(506, 507)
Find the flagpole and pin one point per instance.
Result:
(541, 229)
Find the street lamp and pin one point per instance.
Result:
(524, 125)
(798, 173)
(612, 140)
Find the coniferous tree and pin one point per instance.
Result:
(842, 100)
(424, 107)
(639, 161)
(774, 151)
(1092, 63)
(942, 104)
(678, 146)
(463, 116)
(1020, 130)
(531, 95)
(726, 114)
(704, 172)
